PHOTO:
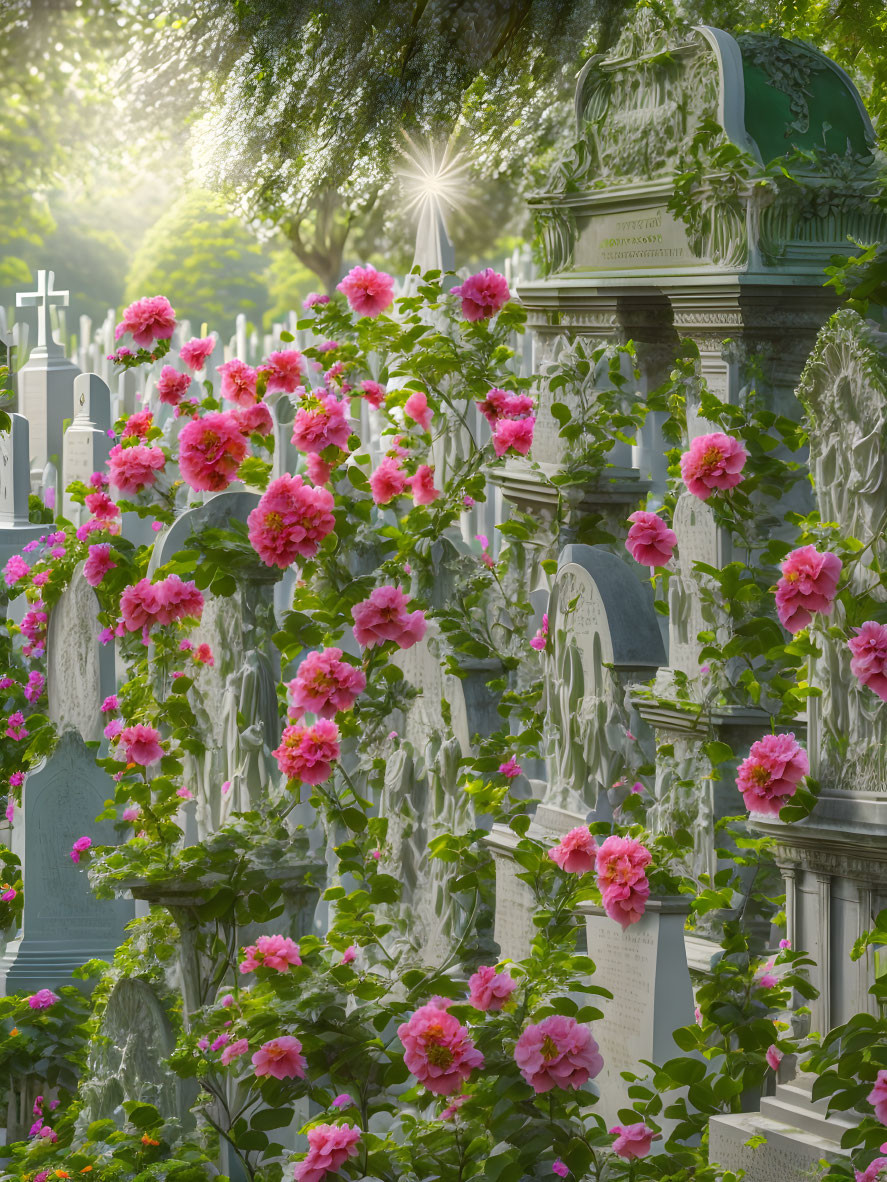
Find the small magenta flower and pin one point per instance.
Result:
(42, 999)
(341, 1101)
(81, 845)
(510, 769)
(349, 954)
(774, 1056)
(560, 1168)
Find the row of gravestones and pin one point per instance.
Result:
(623, 268)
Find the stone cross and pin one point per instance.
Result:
(86, 445)
(44, 299)
(64, 924)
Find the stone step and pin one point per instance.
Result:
(793, 1107)
(789, 1153)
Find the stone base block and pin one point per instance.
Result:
(797, 1137)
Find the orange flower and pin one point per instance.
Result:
(86, 1169)
(14, 1030)
(146, 1140)
(62, 1174)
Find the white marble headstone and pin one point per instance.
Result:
(87, 445)
(80, 670)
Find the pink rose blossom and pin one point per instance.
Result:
(575, 852)
(869, 660)
(238, 382)
(560, 1168)
(254, 419)
(774, 1056)
(422, 485)
(783, 944)
(416, 408)
(874, 1172)
(621, 863)
(438, 1051)
(632, 1141)
(81, 845)
(284, 370)
(43, 998)
(17, 779)
(113, 729)
(510, 768)
(367, 290)
(808, 584)
(15, 726)
(319, 471)
(234, 1050)
(135, 468)
(320, 423)
(291, 520)
(8, 895)
(35, 687)
(195, 352)
(329, 1147)
(388, 481)
(271, 952)
(483, 294)
(770, 775)
(219, 1042)
(98, 563)
(101, 506)
(501, 404)
(349, 954)
(314, 299)
(373, 393)
(145, 604)
(877, 1097)
(172, 386)
(131, 814)
(489, 990)
(713, 462)
(139, 424)
(650, 542)
(280, 1058)
(557, 1053)
(308, 753)
(341, 1101)
(325, 684)
(211, 450)
(150, 319)
(513, 434)
(142, 744)
(384, 617)
(16, 568)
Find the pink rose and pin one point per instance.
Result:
(280, 1058)
(373, 393)
(502, 404)
(713, 462)
(632, 1141)
(319, 471)
(284, 370)
(483, 295)
(98, 563)
(388, 481)
(770, 775)
(135, 468)
(349, 954)
(43, 998)
(142, 744)
(150, 319)
(384, 617)
(510, 768)
(314, 299)
(869, 661)
(308, 753)
(291, 520)
(320, 423)
(422, 485)
(650, 542)
(238, 382)
(513, 435)
(872, 1173)
(438, 1051)
(416, 408)
(621, 863)
(489, 990)
(808, 584)
(16, 568)
(877, 1097)
(557, 1053)
(560, 1168)
(172, 386)
(211, 450)
(138, 424)
(329, 1147)
(367, 290)
(575, 852)
(774, 1056)
(81, 845)
(195, 352)
(325, 684)
(271, 952)
(254, 419)
(234, 1050)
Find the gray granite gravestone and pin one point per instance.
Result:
(46, 381)
(80, 670)
(15, 488)
(63, 924)
(86, 445)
